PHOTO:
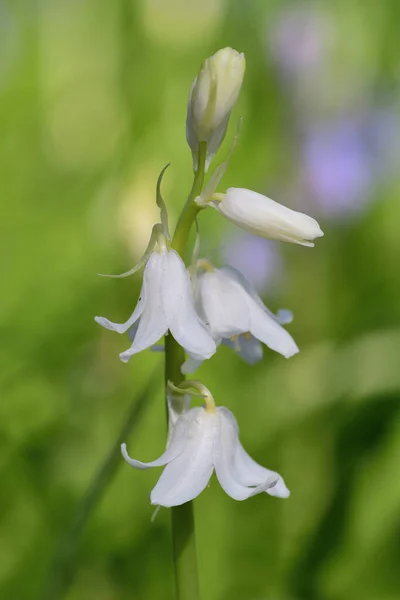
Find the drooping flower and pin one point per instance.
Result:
(202, 441)
(235, 315)
(165, 303)
(264, 217)
(212, 97)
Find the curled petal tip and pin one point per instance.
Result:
(292, 352)
(279, 489)
(124, 356)
(284, 493)
(104, 322)
(118, 327)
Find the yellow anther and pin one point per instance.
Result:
(247, 335)
(236, 343)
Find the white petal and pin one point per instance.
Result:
(268, 331)
(178, 305)
(265, 217)
(191, 365)
(131, 335)
(224, 456)
(153, 324)
(123, 327)
(236, 277)
(264, 324)
(222, 303)
(174, 449)
(247, 347)
(249, 472)
(284, 316)
(186, 477)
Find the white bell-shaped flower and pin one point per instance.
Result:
(165, 303)
(265, 217)
(212, 97)
(202, 441)
(235, 315)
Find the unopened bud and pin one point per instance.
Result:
(212, 97)
(266, 218)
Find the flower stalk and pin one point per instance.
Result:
(182, 517)
(197, 307)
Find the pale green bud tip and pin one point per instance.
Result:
(215, 92)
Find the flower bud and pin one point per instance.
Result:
(212, 97)
(266, 218)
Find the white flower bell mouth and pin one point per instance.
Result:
(204, 440)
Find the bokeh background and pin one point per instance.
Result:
(92, 105)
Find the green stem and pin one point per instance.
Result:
(185, 554)
(183, 533)
(190, 210)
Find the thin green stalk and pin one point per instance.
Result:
(63, 567)
(190, 210)
(183, 532)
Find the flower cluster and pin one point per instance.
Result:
(203, 306)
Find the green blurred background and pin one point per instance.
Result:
(92, 105)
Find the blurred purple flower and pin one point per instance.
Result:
(256, 258)
(300, 39)
(336, 164)
(383, 130)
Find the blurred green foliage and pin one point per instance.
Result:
(92, 105)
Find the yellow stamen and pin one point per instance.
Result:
(236, 343)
